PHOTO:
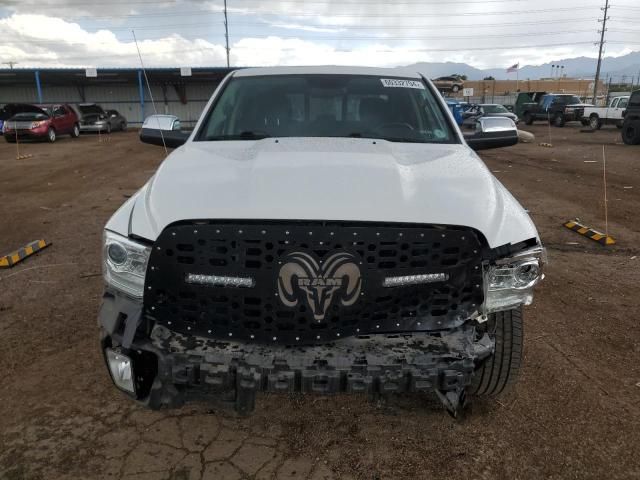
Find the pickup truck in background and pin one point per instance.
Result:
(555, 108)
(611, 114)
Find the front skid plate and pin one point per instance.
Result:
(377, 364)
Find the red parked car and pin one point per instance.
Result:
(45, 122)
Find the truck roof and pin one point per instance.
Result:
(328, 70)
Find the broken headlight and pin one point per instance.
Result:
(509, 282)
(125, 263)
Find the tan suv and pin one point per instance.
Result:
(449, 84)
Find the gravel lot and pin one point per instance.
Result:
(574, 414)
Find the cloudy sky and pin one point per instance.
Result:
(482, 33)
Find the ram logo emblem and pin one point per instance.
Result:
(319, 282)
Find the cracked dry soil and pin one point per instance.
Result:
(574, 414)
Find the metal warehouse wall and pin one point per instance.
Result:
(122, 97)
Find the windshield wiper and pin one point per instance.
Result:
(246, 135)
(405, 140)
(390, 139)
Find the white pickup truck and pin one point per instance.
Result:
(611, 114)
(324, 230)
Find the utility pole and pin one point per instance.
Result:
(226, 31)
(604, 29)
(11, 64)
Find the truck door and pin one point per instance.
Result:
(616, 114)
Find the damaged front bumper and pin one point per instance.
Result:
(170, 368)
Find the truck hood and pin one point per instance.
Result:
(326, 179)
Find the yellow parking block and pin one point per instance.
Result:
(12, 258)
(601, 238)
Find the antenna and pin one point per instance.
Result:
(11, 64)
(146, 79)
(604, 181)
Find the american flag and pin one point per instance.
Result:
(513, 68)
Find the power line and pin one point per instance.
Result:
(334, 38)
(385, 15)
(204, 49)
(410, 50)
(266, 24)
(346, 3)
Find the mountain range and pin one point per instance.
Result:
(578, 67)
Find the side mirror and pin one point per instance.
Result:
(113, 115)
(493, 132)
(172, 138)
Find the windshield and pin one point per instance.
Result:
(494, 109)
(568, 99)
(401, 110)
(90, 109)
(29, 116)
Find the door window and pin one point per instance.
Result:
(623, 102)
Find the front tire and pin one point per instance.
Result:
(594, 122)
(51, 135)
(123, 126)
(528, 118)
(499, 372)
(108, 130)
(455, 89)
(631, 132)
(75, 132)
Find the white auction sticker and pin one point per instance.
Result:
(400, 83)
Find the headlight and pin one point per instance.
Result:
(509, 283)
(37, 124)
(125, 263)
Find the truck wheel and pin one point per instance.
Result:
(631, 132)
(594, 122)
(619, 125)
(585, 123)
(558, 120)
(528, 119)
(500, 371)
(51, 135)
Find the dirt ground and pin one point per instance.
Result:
(574, 414)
